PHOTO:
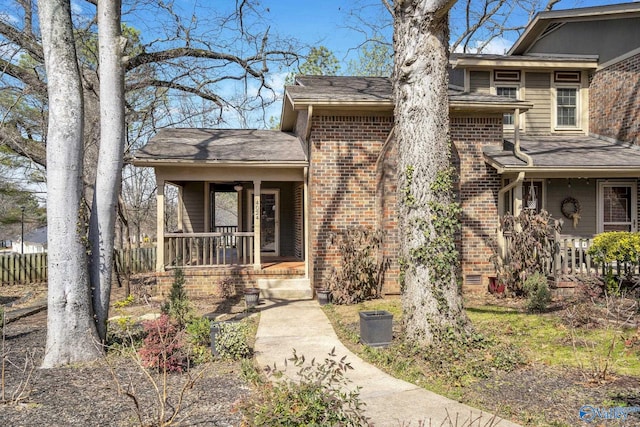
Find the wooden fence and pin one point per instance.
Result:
(32, 268)
(27, 268)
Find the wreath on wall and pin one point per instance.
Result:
(571, 209)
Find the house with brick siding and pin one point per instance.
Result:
(552, 124)
(329, 168)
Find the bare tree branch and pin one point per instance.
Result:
(173, 85)
(22, 39)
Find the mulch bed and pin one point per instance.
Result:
(88, 395)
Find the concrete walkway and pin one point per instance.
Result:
(303, 326)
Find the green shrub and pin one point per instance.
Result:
(620, 247)
(178, 307)
(232, 340)
(319, 397)
(124, 333)
(199, 337)
(536, 288)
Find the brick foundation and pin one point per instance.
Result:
(218, 282)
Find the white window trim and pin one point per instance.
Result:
(554, 108)
(600, 205)
(494, 91)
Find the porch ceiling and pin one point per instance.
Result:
(559, 155)
(249, 146)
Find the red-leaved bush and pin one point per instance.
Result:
(163, 348)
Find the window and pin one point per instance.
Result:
(617, 206)
(567, 107)
(509, 92)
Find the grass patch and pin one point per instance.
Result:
(544, 338)
(445, 368)
(505, 339)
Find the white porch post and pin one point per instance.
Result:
(160, 224)
(517, 199)
(257, 262)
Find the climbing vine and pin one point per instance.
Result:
(439, 249)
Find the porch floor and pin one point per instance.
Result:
(281, 264)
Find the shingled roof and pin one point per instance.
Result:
(369, 89)
(566, 153)
(222, 145)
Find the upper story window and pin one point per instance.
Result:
(567, 107)
(509, 92)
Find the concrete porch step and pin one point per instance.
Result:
(288, 289)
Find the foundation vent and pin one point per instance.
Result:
(473, 279)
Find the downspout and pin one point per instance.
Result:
(516, 136)
(518, 181)
(307, 128)
(307, 200)
(501, 241)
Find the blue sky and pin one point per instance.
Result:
(325, 21)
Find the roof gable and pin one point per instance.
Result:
(589, 30)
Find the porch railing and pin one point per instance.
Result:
(208, 249)
(570, 256)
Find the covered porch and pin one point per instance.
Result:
(241, 199)
(589, 183)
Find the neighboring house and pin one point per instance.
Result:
(35, 242)
(580, 69)
(555, 120)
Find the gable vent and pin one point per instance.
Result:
(506, 75)
(567, 76)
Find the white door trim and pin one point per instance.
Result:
(250, 217)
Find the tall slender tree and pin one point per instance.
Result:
(432, 302)
(71, 332)
(109, 166)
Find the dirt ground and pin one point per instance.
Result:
(542, 395)
(89, 395)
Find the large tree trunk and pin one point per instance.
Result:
(109, 170)
(71, 332)
(431, 297)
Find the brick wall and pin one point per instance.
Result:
(614, 101)
(478, 188)
(350, 187)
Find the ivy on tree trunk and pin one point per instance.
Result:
(432, 301)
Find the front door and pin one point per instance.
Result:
(269, 221)
(617, 206)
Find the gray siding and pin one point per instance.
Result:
(585, 193)
(608, 39)
(480, 81)
(193, 211)
(538, 91)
